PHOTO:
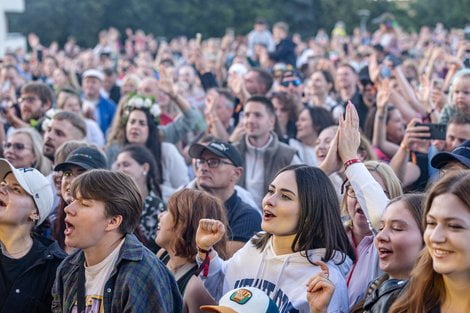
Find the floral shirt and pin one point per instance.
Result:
(153, 206)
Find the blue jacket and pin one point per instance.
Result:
(106, 109)
(139, 283)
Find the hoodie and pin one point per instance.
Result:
(282, 277)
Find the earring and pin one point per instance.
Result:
(144, 173)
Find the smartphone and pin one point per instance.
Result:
(437, 131)
(40, 55)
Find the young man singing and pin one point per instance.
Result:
(110, 271)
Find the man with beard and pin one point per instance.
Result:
(35, 100)
(63, 127)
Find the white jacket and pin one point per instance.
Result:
(282, 277)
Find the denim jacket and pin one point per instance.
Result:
(139, 283)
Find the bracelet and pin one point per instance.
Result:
(350, 162)
(204, 251)
(204, 267)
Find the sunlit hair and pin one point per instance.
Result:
(426, 289)
(319, 224)
(413, 202)
(188, 207)
(42, 163)
(462, 74)
(391, 182)
(365, 151)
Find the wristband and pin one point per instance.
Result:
(204, 251)
(350, 162)
(204, 267)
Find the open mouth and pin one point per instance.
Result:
(360, 211)
(69, 228)
(441, 253)
(268, 215)
(383, 252)
(2, 203)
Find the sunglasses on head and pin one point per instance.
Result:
(296, 82)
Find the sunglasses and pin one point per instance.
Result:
(17, 146)
(296, 82)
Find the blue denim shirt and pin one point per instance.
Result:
(139, 283)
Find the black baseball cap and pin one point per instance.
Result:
(85, 157)
(219, 148)
(460, 154)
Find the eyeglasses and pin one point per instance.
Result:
(27, 99)
(212, 163)
(17, 146)
(296, 82)
(352, 194)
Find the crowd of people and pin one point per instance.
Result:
(263, 172)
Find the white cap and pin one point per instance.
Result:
(93, 73)
(243, 300)
(35, 184)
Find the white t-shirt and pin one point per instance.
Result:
(96, 277)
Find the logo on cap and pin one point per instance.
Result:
(241, 296)
(83, 155)
(26, 169)
(219, 146)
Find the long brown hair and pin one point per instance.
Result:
(188, 207)
(426, 289)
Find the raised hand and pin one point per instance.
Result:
(166, 84)
(414, 135)
(383, 94)
(332, 162)
(320, 290)
(209, 233)
(349, 135)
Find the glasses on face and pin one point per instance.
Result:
(212, 163)
(27, 99)
(352, 194)
(295, 82)
(16, 146)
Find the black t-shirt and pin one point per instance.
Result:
(11, 269)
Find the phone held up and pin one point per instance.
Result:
(436, 131)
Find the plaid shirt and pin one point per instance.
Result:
(139, 283)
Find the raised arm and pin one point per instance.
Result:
(368, 191)
(379, 137)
